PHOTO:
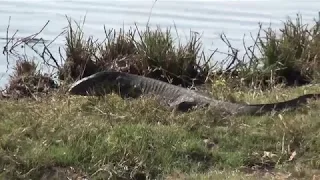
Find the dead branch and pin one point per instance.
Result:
(234, 51)
(27, 41)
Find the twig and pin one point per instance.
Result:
(5, 48)
(31, 37)
(255, 45)
(151, 12)
(41, 55)
(63, 32)
(19, 41)
(234, 51)
(61, 56)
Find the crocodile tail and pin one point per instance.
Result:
(258, 109)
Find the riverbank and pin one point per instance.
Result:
(44, 132)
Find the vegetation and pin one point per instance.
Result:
(53, 135)
(149, 53)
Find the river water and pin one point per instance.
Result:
(209, 18)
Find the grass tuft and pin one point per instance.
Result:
(288, 56)
(28, 81)
(151, 53)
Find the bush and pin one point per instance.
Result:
(289, 57)
(150, 53)
(27, 81)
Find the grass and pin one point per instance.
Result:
(57, 135)
(149, 52)
(288, 55)
(128, 138)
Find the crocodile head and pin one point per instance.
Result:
(100, 83)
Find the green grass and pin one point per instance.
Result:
(127, 138)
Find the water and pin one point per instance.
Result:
(209, 18)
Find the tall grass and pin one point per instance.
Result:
(287, 56)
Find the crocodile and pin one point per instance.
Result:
(182, 99)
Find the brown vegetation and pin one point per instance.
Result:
(26, 81)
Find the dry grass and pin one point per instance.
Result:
(109, 136)
(28, 81)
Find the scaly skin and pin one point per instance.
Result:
(183, 99)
